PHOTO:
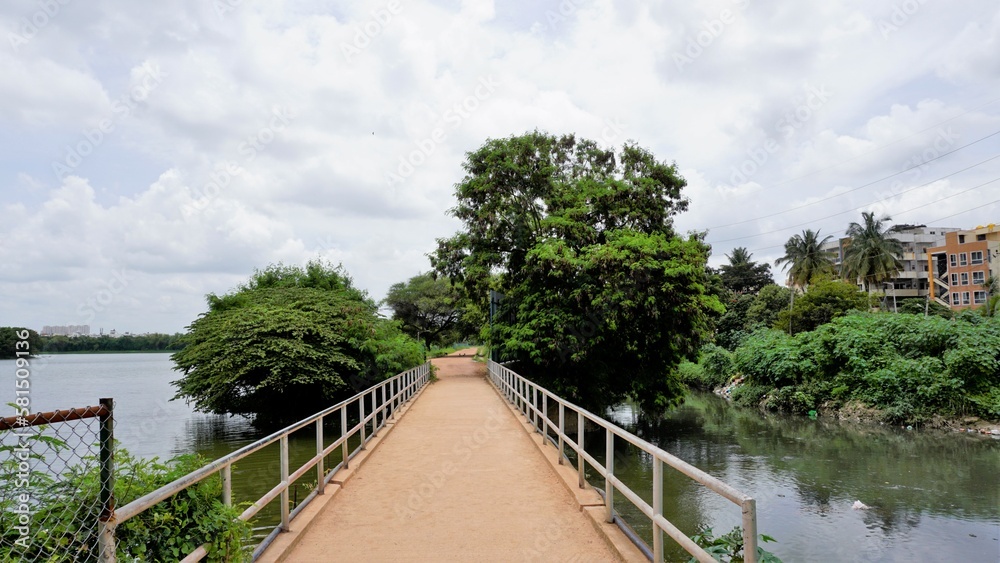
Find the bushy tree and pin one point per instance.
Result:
(600, 296)
(288, 343)
(11, 342)
(872, 254)
(430, 309)
(805, 259)
(742, 275)
(770, 301)
(825, 301)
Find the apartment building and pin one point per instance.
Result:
(912, 280)
(961, 265)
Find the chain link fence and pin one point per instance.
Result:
(57, 484)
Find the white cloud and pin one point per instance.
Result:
(216, 187)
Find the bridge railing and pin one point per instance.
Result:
(375, 405)
(533, 401)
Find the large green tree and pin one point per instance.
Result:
(288, 343)
(872, 255)
(743, 275)
(12, 345)
(805, 259)
(825, 301)
(430, 309)
(599, 298)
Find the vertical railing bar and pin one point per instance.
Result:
(545, 418)
(657, 509)
(361, 413)
(320, 469)
(749, 507)
(343, 434)
(562, 430)
(579, 446)
(227, 484)
(609, 471)
(283, 460)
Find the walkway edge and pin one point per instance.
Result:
(588, 499)
(283, 544)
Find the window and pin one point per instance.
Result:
(953, 261)
(965, 298)
(979, 278)
(954, 299)
(981, 237)
(962, 260)
(961, 239)
(976, 256)
(965, 278)
(980, 297)
(954, 279)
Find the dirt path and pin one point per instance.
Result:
(457, 480)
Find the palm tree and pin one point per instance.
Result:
(806, 257)
(872, 254)
(992, 285)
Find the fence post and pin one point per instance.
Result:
(609, 471)
(106, 520)
(364, 425)
(283, 462)
(320, 469)
(227, 485)
(343, 434)
(657, 509)
(579, 447)
(562, 430)
(749, 507)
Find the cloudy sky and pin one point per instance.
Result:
(153, 152)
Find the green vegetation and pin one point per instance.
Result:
(909, 367)
(64, 521)
(290, 341)
(742, 275)
(805, 259)
(11, 342)
(430, 309)
(825, 301)
(729, 547)
(599, 296)
(872, 254)
(105, 343)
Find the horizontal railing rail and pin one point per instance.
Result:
(385, 397)
(533, 401)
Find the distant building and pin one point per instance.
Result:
(961, 265)
(66, 330)
(912, 280)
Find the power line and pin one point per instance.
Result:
(789, 210)
(887, 145)
(843, 213)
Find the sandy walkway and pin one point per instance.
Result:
(457, 480)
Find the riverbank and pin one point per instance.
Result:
(858, 412)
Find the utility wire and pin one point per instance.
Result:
(789, 210)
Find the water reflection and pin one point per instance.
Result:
(806, 475)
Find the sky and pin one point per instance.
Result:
(154, 152)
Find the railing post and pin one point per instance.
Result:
(609, 471)
(364, 429)
(343, 434)
(534, 407)
(283, 444)
(106, 520)
(375, 412)
(320, 470)
(657, 509)
(749, 507)
(562, 430)
(579, 448)
(227, 485)
(545, 418)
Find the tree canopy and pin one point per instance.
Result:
(805, 259)
(872, 254)
(600, 298)
(430, 309)
(827, 300)
(743, 275)
(11, 342)
(288, 343)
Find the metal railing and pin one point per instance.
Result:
(385, 399)
(533, 401)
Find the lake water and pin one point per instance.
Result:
(933, 496)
